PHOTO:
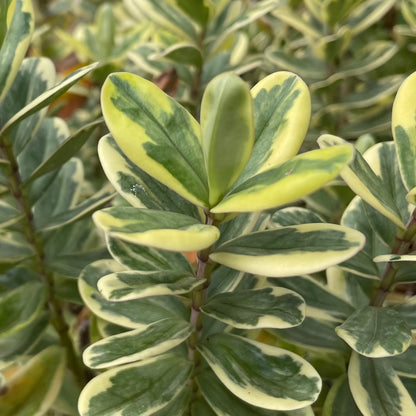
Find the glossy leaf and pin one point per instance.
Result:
(156, 382)
(24, 395)
(226, 102)
(260, 374)
(365, 183)
(376, 389)
(404, 130)
(289, 251)
(139, 344)
(376, 332)
(166, 141)
(163, 230)
(19, 18)
(136, 186)
(134, 285)
(260, 308)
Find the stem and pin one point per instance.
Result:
(198, 299)
(403, 245)
(35, 240)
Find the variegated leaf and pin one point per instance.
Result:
(134, 314)
(177, 406)
(287, 182)
(261, 375)
(293, 216)
(339, 401)
(405, 364)
(365, 183)
(24, 395)
(137, 187)
(133, 284)
(159, 229)
(322, 303)
(260, 308)
(226, 404)
(19, 18)
(404, 130)
(9, 214)
(144, 388)
(166, 143)
(13, 249)
(376, 332)
(139, 344)
(376, 388)
(181, 53)
(141, 258)
(407, 309)
(227, 130)
(47, 97)
(289, 251)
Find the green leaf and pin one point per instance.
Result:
(376, 332)
(227, 132)
(136, 186)
(293, 216)
(196, 9)
(9, 214)
(134, 285)
(46, 98)
(405, 364)
(177, 406)
(289, 251)
(287, 182)
(134, 314)
(226, 404)
(376, 389)
(182, 53)
(322, 303)
(260, 308)
(365, 183)
(65, 151)
(13, 249)
(339, 401)
(139, 344)
(159, 229)
(404, 130)
(166, 141)
(19, 19)
(261, 375)
(407, 309)
(141, 258)
(141, 388)
(24, 395)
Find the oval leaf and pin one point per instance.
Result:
(261, 375)
(163, 230)
(290, 251)
(376, 332)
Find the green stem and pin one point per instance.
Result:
(35, 240)
(403, 245)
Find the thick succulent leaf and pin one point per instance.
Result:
(65, 151)
(136, 186)
(35, 76)
(183, 53)
(316, 335)
(134, 285)
(339, 401)
(141, 258)
(261, 308)
(226, 404)
(287, 182)
(13, 249)
(281, 117)
(365, 183)
(376, 332)
(164, 230)
(293, 216)
(47, 97)
(404, 130)
(18, 17)
(141, 388)
(376, 388)
(24, 395)
(322, 303)
(227, 132)
(405, 364)
(134, 314)
(289, 251)
(260, 374)
(139, 344)
(166, 141)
